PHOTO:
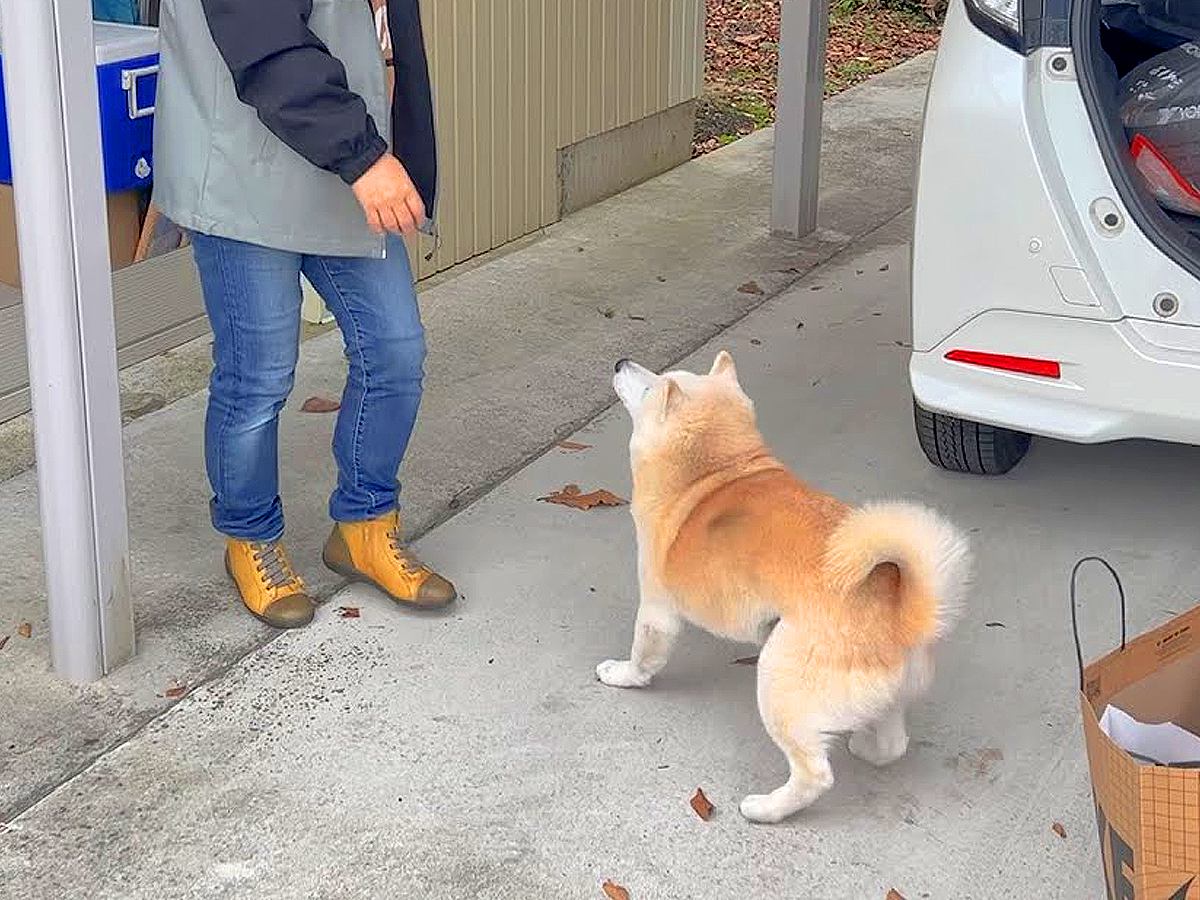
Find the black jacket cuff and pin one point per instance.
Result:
(354, 168)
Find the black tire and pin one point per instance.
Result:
(960, 445)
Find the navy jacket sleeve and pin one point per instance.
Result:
(297, 87)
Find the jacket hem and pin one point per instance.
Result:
(289, 243)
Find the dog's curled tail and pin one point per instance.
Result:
(932, 556)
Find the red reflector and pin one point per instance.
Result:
(1043, 368)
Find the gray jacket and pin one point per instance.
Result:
(219, 170)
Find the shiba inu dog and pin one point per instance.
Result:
(850, 600)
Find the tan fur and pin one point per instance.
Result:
(731, 541)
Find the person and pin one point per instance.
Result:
(270, 150)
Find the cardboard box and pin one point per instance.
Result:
(1148, 815)
(124, 231)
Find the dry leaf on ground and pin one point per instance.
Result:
(3, 641)
(573, 497)
(614, 891)
(702, 805)
(746, 661)
(750, 287)
(573, 447)
(175, 691)
(894, 894)
(25, 630)
(320, 405)
(1058, 829)
(349, 612)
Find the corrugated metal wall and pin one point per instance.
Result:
(516, 80)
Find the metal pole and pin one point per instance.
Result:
(804, 30)
(62, 230)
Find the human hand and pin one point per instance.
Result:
(389, 198)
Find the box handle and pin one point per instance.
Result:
(129, 83)
(1075, 607)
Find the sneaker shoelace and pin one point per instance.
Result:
(274, 567)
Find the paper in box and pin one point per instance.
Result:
(1148, 815)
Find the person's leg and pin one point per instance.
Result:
(375, 304)
(252, 296)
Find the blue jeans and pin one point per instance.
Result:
(253, 299)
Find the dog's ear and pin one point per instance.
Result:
(672, 396)
(723, 365)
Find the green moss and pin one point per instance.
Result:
(755, 109)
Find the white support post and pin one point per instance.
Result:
(62, 230)
(804, 30)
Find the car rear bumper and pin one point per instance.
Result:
(1120, 380)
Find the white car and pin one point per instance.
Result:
(1051, 294)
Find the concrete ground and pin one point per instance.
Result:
(473, 754)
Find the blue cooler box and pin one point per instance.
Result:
(127, 75)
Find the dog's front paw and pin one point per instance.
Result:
(621, 673)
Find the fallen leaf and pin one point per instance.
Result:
(571, 496)
(3, 641)
(572, 446)
(614, 891)
(349, 612)
(1058, 829)
(750, 287)
(894, 894)
(607, 313)
(662, 278)
(175, 691)
(749, 40)
(746, 661)
(320, 405)
(755, 342)
(702, 805)
(994, 625)
(24, 630)
(634, 318)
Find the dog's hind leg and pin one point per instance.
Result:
(654, 635)
(798, 729)
(811, 776)
(884, 741)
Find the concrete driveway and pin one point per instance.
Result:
(473, 754)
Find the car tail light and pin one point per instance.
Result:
(999, 18)
(1023, 365)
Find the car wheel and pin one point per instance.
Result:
(960, 445)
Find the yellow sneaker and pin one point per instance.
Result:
(271, 591)
(373, 552)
